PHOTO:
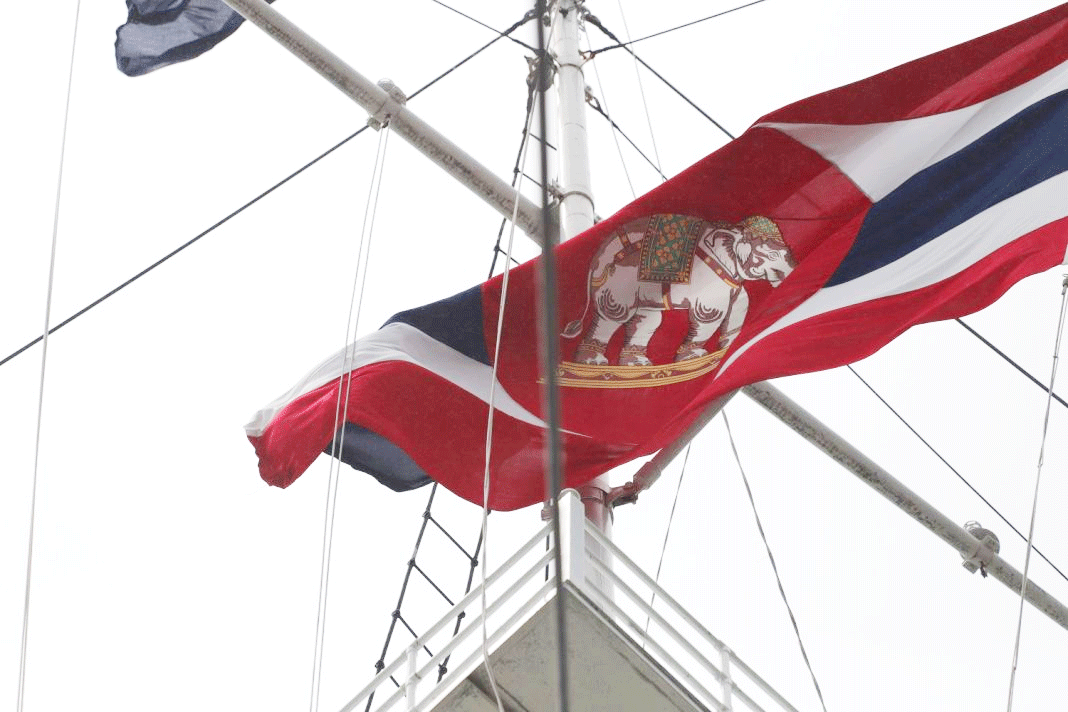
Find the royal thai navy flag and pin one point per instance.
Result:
(827, 229)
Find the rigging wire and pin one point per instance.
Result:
(1015, 365)
(427, 517)
(504, 34)
(954, 470)
(44, 362)
(667, 533)
(529, 16)
(256, 199)
(189, 243)
(352, 324)
(771, 558)
(597, 23)
(603, 112)
(517, 173)
(641, 91)
(443, 667)
(533, 100)
(492, 410)
(616, 132)
(396, 615)
(1038, 476)
(679, 27)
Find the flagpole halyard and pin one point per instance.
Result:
(24, 647)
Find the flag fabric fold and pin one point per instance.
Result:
(827, 229)
(162, 32)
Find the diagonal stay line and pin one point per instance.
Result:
(1015, 365)
(679, 27)
(294, 174)
(189, 243)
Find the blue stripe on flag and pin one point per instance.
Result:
(1019, 154)
(455, 322)
(369, 452)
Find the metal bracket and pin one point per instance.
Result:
(380, 118)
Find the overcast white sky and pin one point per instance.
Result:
(167, 575)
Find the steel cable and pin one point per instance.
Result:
(667, 533)
(954, 470)
(44, 362)
(427, 517)
(771, 558)
(627, 44)
(641, 91)
(1015, 365)
(1038, 477)
(352, 323)
(254, 200)
(597, 23)
(532, 101)
(616, 131)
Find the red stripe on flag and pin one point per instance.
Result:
(953, 78)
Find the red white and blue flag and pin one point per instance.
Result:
(827, 229)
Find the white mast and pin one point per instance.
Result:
(576, 193)
(573, 181)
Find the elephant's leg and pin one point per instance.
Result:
(639, 329)
(594, 342)
(610, 312)
(700, 332)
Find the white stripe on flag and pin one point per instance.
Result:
(949, 254)
(878, 158)
(401, 342)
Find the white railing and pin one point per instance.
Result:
(674, 638)
(598, 570)
(513, 592)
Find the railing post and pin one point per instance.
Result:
(725, 652)
(572, 538)
(413, 674)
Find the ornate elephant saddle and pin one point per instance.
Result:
(668, 248)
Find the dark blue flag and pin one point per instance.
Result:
(162, 32)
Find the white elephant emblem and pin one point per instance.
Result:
(676, 262)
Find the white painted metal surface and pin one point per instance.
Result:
(576, 200)
(650, 472)
(805, 424)
(623, 669)
(810, 428)
(575, 185)
(384, 107)
(679, 642)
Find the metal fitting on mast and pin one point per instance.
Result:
(987, 539)
(396, 98)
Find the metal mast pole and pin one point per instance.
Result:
(806, 425)
(576, 195)
(573, 181)
(383, 105)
